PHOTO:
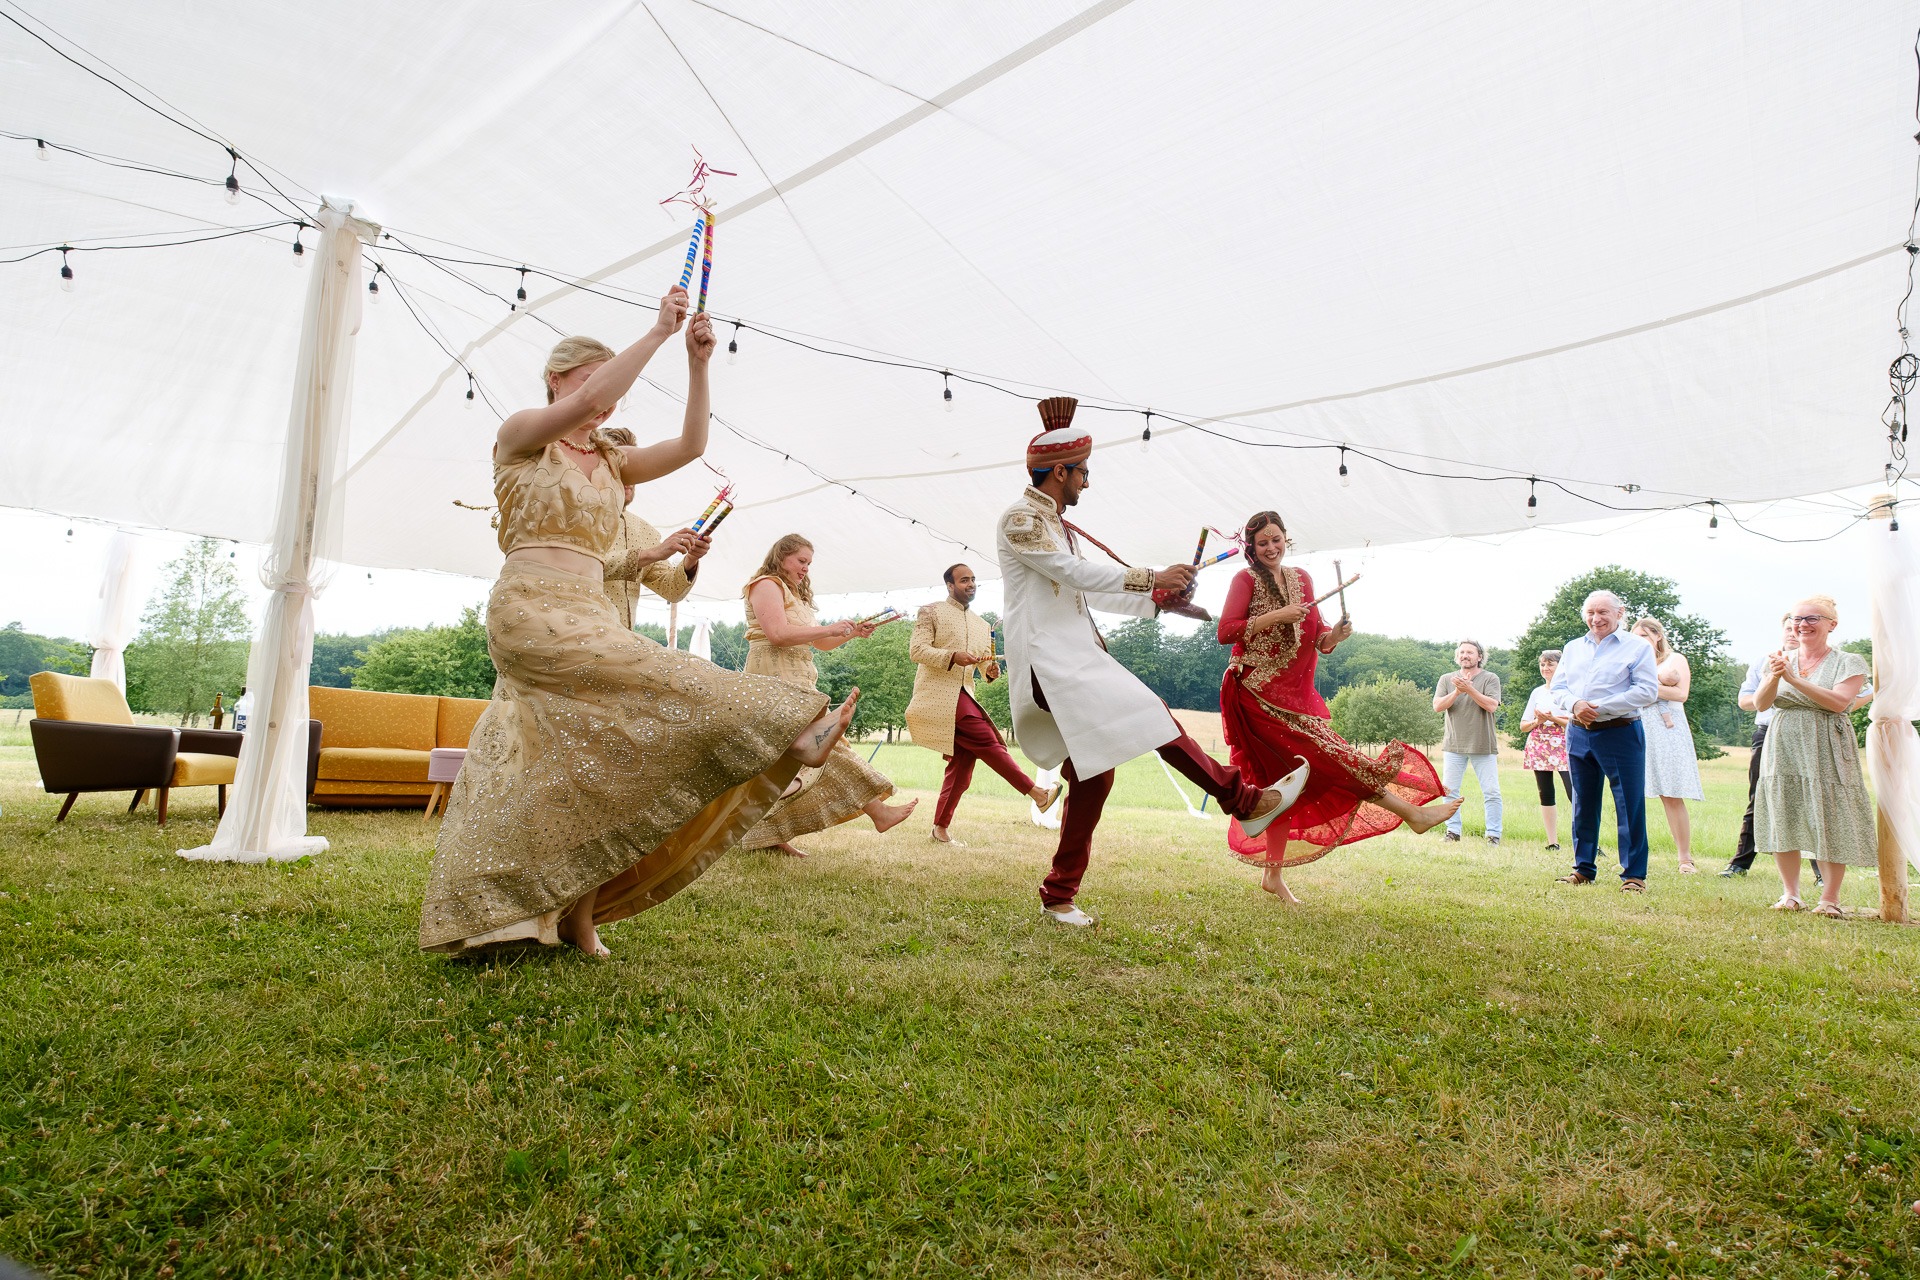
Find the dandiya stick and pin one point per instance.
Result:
(706, 263)
(713, 506)
(693, 251)
(1337, 591)
(708, 531)
(1342, 589)
(1200, 548)
(1228, 554)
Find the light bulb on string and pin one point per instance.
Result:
(1533, 502)
(1713, 520)
(1346, 481)
(66, 272)
(42, 150)
(1892, 474)
(733, 345)
(946, 389)
(469, 389)
(299, 249)
(1146, 433)
(373, 285)
(233, 178)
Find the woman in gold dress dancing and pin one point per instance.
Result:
(608, 771)
(781, 638)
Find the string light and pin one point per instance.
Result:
(1146, 433)
(42, 150)
(1713, 519)
(733, 345)
(1533, 501)
(299, 249)
(373, 292)
(1346, 481)
(469, 388)
(520, 294)
(233, 178)
(66, 272)
(946, 389)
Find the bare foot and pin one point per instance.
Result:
(1429, 816)
(888, 816)
(940, 834)
(793, 789)
(576, 929)
(1272, 882)
(816, 741)
(1045, 796)
(788, 850)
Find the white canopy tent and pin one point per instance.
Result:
(1647, 253)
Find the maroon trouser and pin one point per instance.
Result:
(974, 738)
(1086, 797)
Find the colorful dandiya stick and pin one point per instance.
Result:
(1200, 548)
(1228, 554)
(693, 252)
(723, 498)
(724, 513)
(1342, 589)
(706, 263)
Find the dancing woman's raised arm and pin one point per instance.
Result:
(528, 431)
(641, 463)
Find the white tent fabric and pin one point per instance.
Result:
(700, 644)
(1640, 244)
(266, 817)
(1893, 748)
(119, 610)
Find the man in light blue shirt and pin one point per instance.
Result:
(1605, 677)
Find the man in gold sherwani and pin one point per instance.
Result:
(950, 643)
(640, 555)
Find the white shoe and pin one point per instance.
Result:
(1289, 789)
(1068, 914)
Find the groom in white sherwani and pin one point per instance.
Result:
(1074, 707)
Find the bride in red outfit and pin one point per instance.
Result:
(1272, 716)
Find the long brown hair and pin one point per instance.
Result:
(780, 551)
(1255, 523)
(1661, 648)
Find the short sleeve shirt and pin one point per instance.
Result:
(1471, 731)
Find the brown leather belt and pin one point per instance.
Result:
(1620, 722)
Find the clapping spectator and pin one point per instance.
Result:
(1470, 698)
(1605, 677)
(1546, 752)
(1756, 672)
(1673, 770)
(1812, 796)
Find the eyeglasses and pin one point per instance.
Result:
(1808, 619)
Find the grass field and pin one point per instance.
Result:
(882, 1061)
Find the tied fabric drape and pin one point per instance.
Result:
(1893, 749)
(113, 626)
(700, 645)
(266, 819)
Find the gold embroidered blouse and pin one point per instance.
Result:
(547, 501)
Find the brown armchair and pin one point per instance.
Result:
(84, 739)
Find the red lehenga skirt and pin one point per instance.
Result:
(1267, 742)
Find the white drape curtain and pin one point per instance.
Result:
(113, 625)
(266, 818)
(700, 645)
(1893, 749)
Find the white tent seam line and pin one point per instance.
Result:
(978, 80)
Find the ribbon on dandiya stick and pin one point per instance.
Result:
(700, 247)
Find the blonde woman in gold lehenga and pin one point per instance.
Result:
(608, 771)
(781, 638)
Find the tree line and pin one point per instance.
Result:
(194, 637)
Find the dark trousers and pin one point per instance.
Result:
(1617, 758)
(974, 738)
(1743, 856)
(1543, 782)
(1087, 797)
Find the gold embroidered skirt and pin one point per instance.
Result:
(834, 793)
(604, 761)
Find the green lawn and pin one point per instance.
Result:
(881, 1061)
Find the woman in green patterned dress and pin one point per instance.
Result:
(1812, 796)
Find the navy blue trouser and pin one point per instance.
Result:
(1619, 756)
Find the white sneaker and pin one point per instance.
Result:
(1289, 789)
(1069, 914)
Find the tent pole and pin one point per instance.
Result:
(1893, 749)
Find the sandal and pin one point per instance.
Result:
(1788, 903)
(1633, 886)
(1574, 878)
(1688, 869)
(1831, 910)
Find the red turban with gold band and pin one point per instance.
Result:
(1060, 441)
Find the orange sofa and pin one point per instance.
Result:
(374, 746)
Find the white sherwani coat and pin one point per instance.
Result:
(1102, 715)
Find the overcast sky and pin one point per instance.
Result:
(1487, 589)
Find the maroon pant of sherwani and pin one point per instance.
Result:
(974, 739)
(1087, 797)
